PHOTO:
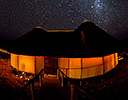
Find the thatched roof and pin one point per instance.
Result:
(88, 40)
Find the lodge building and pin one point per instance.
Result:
(87, 51)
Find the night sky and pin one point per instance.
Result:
(18, 17)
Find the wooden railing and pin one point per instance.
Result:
(73, 86)
(30, 83)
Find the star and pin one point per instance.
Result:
(19, 17)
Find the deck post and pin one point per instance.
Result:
(80, 83)
(40, 80)
(103, 65)
(42, 74)
(32, 90)
(72, 92)
(58, 73)
(62, 80)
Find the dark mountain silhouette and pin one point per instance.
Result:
(88, 40)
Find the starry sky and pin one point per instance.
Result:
(18, 17)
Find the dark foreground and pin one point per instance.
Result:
(111, 86)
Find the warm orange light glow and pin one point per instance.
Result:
(72, 67)
(110, 62)
(32, 64)
(86, 21)
(116, 59)
(26, 63)
(88, 62)
(63, 62)
(74, 62)
(39, 63)
(14, 61)
(87, 67)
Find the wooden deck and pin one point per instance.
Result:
(52, 90)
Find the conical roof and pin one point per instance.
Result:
(94, 41)
(88, 40)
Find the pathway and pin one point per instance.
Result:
(51, 90)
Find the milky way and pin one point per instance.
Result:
(18, 17)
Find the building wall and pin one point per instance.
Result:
(14, 60)
(39, 63)
(27, 63)
(87, 67)
(92, 67)
(63, 63)
(75, 67)
(31, 64)
(72, 67)
(116, 59)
